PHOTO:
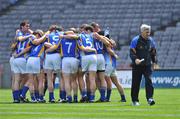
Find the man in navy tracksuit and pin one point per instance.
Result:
(143, 55)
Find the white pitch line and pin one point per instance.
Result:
(86, 113)
(75, 108)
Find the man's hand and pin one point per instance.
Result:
(154, 66)
(116, 56)
(138, 61)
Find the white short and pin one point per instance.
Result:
(52, 62)
(100, 62)
(89, 63)
(20, 65)
(110, 70)
(70, 65)
(11, 62)
(33, 65)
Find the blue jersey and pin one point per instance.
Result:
(109, 59)
(54, 40)
(86, 40)
(36, 50)
(99, 46)
(135, 41)
(21, 45)
(68, 48)
(142, 49)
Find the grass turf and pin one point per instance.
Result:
(167, 107)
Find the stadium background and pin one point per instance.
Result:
(122, 17)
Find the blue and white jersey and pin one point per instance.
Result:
(36, 50)
(21, 45)
(109, 59)
(68, 48)
(99, 46)
(54, 40)
(86, 40)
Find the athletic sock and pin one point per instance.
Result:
(108, 94)
(102, 93)
(69, 99)
(24, 91)
(51, 96)
(37, 95)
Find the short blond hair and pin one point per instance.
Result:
(145, 27)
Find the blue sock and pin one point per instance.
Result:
(102, 93)
(84, 93)
(20, 91)
(108, 94)
(33, 96)
(91, 98)
(16, 95)
(64, 95)
(24, 91)
(69, 99)
(37, 95)
(51, 96)
(75, 98)
(41, 97)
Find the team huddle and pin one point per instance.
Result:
(83, 58)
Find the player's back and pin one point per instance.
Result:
(68, 48)
(87, 41)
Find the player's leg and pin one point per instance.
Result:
(119, 87)
(101, 76)
(103, 85)
(109, 87)
(74, 86)
(41, 80)
(50, 85)
(62, 93)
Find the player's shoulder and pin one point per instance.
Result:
(20, 33)
(135, 39)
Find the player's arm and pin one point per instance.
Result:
(48, 45)
(52, 48)
(14, 42)
(69, 36)
(30, 31)
(25, 50)
(111, 52)
(86, 49)
(111, 41)
(40, 40)
(13, 46)
(133, 54)
(102, 38)
(69, 32)
(153, 51)
(23, 38)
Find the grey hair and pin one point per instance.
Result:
(145, 27)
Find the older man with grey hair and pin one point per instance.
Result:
(143, 56)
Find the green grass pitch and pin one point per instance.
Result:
(167, 107)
